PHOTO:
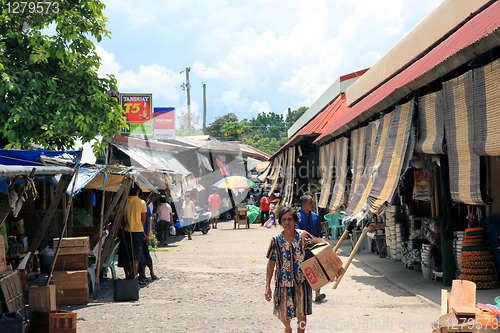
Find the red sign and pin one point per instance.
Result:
(164, 118)
(311, 277)
(137, 107)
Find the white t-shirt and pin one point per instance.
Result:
(164, 211)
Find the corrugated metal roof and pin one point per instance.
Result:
(480, 26)
(321, 122)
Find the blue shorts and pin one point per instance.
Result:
(187, 223)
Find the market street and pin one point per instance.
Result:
(215, 283)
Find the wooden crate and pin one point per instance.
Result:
(42, 298)
(70, 279)
(53, 321)
(72, 296)
(72, 245)
(72, 262)
(11, 293)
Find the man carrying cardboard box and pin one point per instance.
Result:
(310, 222)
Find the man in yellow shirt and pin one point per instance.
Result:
(135, 216)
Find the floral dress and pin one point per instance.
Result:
(292, 294)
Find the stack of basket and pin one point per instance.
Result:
(477, 261)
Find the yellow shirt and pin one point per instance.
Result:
(133, 214)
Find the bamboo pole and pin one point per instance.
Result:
(65, 222)
(351, 257)
(339, 242)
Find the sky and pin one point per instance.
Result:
(253, 56)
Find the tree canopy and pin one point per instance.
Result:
(50, 93)
(266, 132)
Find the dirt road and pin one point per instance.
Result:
(215, 283)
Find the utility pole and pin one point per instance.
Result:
(204, 108)
(188, 87)
(290, 117)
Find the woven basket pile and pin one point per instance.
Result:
(478, 264)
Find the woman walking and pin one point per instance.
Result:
(187, 214)
(292, 294)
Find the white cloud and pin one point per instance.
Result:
(258, 108)
(375, 55)
(230, 101)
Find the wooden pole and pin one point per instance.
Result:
(101, 217)
(339, 242)
(59, 192)
(351, 257)
(65, 223)
(115, 225)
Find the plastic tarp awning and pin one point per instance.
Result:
(30, 157)
(111, 182)
(154, 160)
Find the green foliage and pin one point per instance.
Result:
(214, 129)
(81, 218)
(183, 131)
(153, 242)
(50, 93)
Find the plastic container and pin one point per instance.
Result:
(426, 272)
(11, 322)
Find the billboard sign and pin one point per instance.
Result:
(138, 111)
(164, 123)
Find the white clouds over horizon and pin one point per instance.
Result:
(254, 56)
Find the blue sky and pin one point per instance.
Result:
(253, 56)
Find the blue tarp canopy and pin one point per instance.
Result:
(30, 157)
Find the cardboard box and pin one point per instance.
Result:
(323, 267)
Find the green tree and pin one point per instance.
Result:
(296, 114)
(235, 131)
(214, 129)
(50, 93)
(183, 131)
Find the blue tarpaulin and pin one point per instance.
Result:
(30, 157)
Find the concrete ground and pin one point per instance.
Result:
(216, 283)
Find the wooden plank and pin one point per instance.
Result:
(60, 190)
(115, 225)
(463, 294)
(444, 301)
(465, 311)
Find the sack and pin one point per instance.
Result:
(172, 230)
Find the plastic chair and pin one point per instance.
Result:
(110, 262)
(334, 224)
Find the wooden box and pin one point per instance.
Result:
(72, 245)
(70, 279)
(72, 296)
(11, 293)
(53, 321)
(72, 262)
(42, 298)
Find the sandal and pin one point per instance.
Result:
(142, 283)
(154, 278)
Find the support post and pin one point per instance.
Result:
(204, 109)
(351, 257)
(59, 192)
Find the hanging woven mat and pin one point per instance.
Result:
(475, 271)
(474, 237)
(488, 285)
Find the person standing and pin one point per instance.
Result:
(264, 209)
(187, 214)
(213, 203)
(146, 257)
(310, 222)
(135, 217)
(292, 294)
(165, 219)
